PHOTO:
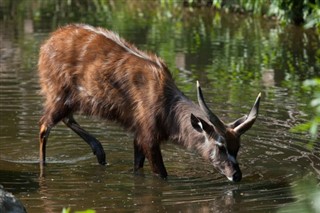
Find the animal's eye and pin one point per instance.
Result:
(222, 152)
(220, 141)
(222, 148)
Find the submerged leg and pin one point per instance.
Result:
(153, 153)
(91, 141)
(49, 119)
(155, 158)
(139, 156)
(43, 138)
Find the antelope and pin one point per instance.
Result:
(92, 71)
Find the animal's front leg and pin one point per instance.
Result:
(139, 156)
(153, 154)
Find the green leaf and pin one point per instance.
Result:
(304, 127)
(86, 211)
(64, 210)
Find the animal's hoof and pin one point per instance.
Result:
(101, 156)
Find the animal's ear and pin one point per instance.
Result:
(200, 125)
(196, 123)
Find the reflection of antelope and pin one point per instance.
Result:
(94, 72)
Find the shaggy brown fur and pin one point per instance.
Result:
(94, 72)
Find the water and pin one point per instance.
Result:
(234, 57)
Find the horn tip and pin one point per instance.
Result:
(258, 99)
(198, 84)
(259, 95)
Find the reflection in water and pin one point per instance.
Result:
(45, 195)
(234, 57)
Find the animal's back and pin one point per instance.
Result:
(93, 71)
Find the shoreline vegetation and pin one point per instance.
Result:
(298, 12)
(304, 13)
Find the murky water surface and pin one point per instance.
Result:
(234, 58)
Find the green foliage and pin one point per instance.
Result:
(305, 12)
(307, 195)
(299, 12)
(68, 210)
(312, 126)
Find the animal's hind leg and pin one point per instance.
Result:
(91, 141)
(49, 119)
(43, 138)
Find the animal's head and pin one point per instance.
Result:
(223, 140)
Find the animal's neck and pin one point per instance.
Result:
(181, 130)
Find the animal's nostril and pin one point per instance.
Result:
(237, 176)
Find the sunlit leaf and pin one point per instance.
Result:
(301, 127)
(86, 211)
(66, 210)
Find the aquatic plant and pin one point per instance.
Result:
(68, 210)
(312, 86)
